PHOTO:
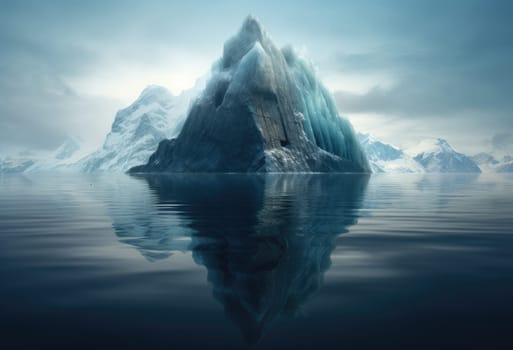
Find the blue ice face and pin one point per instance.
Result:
(322, 124)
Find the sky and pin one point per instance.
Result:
(400, 70)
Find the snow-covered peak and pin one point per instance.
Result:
(137, 129)
(239, 45)
(154, 93)
(68, 148)
(252, 27)
(387, 158)
(484, 158)
(488, 163)
(366, 137)
(61, 159)
(14, 165)
(505, 167)
(152, 97)
(436, 155)
(431, 145)
(377, 150)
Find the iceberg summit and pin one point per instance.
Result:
(263, 110)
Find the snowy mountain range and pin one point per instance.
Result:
(9, 165)
(138, 129)
(385, 158)
(64, 158)
(437, 156)
(61, 159)
(263, 109)
(431, 155)
(135, 133)
(488, 163)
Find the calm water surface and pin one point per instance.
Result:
(261, 262)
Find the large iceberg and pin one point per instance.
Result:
(263, 110)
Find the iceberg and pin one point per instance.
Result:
(263, 110)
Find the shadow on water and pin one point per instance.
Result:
(265, 240)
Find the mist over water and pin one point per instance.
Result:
(260, 261)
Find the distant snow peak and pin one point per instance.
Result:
(378, 150)
(431, 145)
(484, 158)
(488, 163)
(155, 92)
(137, 129)
(436, 155)
(506, 167)
(385, 158)
(11, 166)
(68, 148)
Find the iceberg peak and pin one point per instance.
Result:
(239, 45)
(253, 26)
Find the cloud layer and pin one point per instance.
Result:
(400, 69)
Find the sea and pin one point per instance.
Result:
(240, 261)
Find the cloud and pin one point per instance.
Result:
(441, 57)
(430, 82)
(448, 69)
(502, 140)
(62, 62)
(38, 110)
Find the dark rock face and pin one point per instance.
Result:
(262, 111)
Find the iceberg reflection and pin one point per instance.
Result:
(265, 240)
